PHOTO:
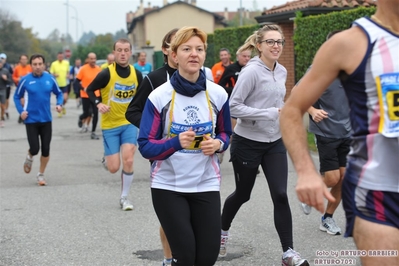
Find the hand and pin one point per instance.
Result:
(4, 76)
(102, 108)
(58, 108)
(311, 190)
(209, 145)
(186, 138)
(318, 115)
(218, 73)
(24, 115)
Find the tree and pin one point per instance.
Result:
(86, 38)
(14, 40)
(36, 46)
(55, 36)
(120, 34)
(100, 50)
(106, 40)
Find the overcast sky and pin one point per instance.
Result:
(99, 16)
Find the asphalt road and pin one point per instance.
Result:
(76, 218)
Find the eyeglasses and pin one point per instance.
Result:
(271, 42)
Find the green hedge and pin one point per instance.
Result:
(311, 32)
(210, 51)
(230, 38)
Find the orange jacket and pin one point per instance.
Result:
(86, 75)
(217, 71)
(20, 71)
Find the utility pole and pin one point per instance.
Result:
(240, 12)
(67, 23)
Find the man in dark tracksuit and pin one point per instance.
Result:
(231, 72)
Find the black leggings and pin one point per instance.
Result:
(33, 131)
(191, 222)
(276, 171)
(87, 111)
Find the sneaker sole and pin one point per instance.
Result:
(27, 167)
(222, 253)
(41, 183)
(322, 228)
(306, 212)
(127, 208)
(305, 263)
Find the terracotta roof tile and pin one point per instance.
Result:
(301, 4)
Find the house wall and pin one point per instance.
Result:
(137, 37)
(287, 58)
(157, 24)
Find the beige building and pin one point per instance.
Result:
(147, 26)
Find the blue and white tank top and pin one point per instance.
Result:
(373, 93)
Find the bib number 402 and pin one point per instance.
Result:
(125, 94)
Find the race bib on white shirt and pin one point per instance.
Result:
(388, 96)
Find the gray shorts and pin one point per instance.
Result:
(3, 97)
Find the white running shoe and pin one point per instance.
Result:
(125, 204)
(223, 244)
(293, 258)
(328, 225)
(40, 180)
(28, 164)
(104, 163)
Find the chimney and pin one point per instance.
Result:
(226, 14)
(165, 2)
(141, 4)
(194, 2)
(130, 16)
(149, 4)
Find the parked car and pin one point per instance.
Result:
(99, 62)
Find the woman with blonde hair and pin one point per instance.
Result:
(256, 101)
(184, 122)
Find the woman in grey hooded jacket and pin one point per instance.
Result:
(256, 101)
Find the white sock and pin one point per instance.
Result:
(225, 233)
(127, 180)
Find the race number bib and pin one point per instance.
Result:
(388, 96)
(200, 130)
(123, 93)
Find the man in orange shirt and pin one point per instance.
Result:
(218, 68)
(22, 69)
(86, 75)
